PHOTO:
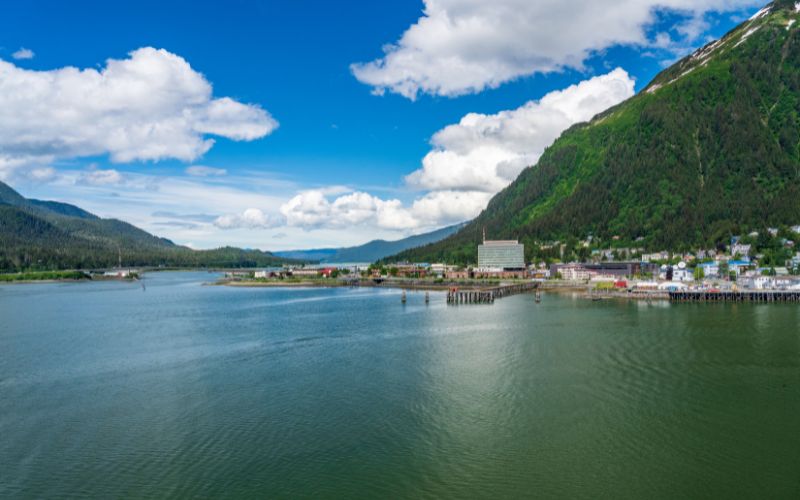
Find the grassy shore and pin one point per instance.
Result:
(60, 276)
(40, 276)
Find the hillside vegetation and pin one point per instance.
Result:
(710, 148)
(45, 235)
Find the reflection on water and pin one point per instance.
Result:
(186, 390)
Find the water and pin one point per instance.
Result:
(183, 390)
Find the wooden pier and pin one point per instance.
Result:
(487, 295)
(761, 296)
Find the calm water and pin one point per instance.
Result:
(183, 390)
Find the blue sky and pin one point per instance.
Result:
(329, 138)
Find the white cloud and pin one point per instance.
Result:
(97, 177)
(203, 171)
(312, 209)
(470, 162)
(487, 152)
(252, 218)
(465, 46)
(23, 53)
(441, 208)
(149, 106)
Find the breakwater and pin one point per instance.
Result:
(488, 295)
(765, 296)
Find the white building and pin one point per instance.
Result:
(501, 254)
(653, 257)
(740, 249)
(672, 286)
(574, 272)
(710, 269)
(119, 273)
(438, 270)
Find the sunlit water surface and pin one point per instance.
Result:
(108, 390)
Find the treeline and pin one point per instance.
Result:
(33, 238)
(58, 256)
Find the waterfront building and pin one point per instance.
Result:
(307, 272)
(270, 272)
(119, 273)
(684, 275)
(622, 269)
(438, 270)
(497, 273)
(738, 266)
(571, 272)
(456, 274)
(501, 254)
(710, 269)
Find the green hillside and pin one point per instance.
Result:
(46, 235)
(710, 148)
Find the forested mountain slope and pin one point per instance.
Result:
(47, 235)
(710, 148)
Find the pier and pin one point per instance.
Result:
(488, 295)
(761, 296)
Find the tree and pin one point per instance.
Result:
(699, 274)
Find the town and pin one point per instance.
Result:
(764, 260)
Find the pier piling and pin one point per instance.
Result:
(487, 295)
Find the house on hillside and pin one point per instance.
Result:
(738, 266)
(710, 269)
(655, 257)
(741, 250)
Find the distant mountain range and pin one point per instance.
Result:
(48, 235)
(372, 251)
(709, 149)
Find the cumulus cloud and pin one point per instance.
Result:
(465, 46)
(97, 177)
(470, 162)
(252, 218)
(203, 171)
(487, 152)
(150, 106)
(23, 53)
(312, 209)
(440, 208)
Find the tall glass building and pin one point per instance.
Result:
(506, 254)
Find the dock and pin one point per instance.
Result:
(488, 295)
(760, 296)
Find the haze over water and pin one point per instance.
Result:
(110, 391)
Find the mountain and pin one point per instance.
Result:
(710, 148)
(47, 235)
(372, 251)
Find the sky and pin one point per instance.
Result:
(286, 124)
